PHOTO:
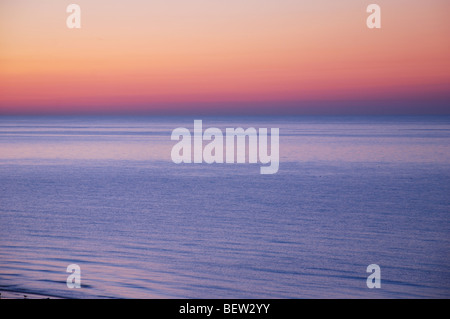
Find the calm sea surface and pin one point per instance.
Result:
(103, 193)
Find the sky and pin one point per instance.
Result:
(225, 57)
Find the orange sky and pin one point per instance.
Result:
(173, 56)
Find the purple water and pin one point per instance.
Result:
(103, 193)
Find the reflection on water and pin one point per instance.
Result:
(103, 193)
(350, 139)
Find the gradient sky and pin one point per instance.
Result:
(219, 57)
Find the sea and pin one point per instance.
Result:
(103, 193)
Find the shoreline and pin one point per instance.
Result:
(11, 294)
